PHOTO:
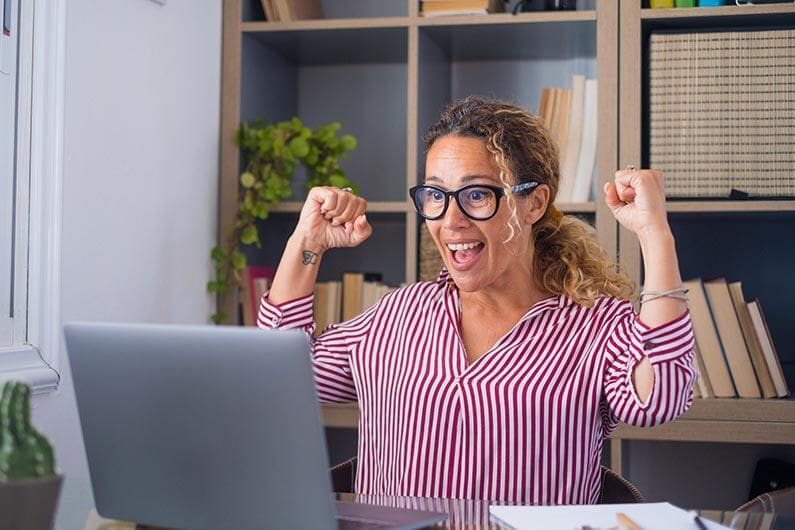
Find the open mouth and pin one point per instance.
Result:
(465, 254)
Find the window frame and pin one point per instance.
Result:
(34, 356)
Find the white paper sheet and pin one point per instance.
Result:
(649, 516)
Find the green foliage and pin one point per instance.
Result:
(24, 451)
(271, 153)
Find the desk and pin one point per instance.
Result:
(474, 515)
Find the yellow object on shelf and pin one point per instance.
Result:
(661, 4)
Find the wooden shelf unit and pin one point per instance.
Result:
(729, 225)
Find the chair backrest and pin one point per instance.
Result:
(615, 488)
(780, 501)
(343, 476)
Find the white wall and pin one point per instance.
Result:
(140, 184)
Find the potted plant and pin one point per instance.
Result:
(29, 486)
(271, 154)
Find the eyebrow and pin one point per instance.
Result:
(464, 180)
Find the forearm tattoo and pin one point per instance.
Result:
(309, 257)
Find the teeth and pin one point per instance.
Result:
(462, 246)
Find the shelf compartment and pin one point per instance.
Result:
(346, 76)
(384, 252)
(513, 62)
(754, 248)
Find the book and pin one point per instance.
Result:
(586, 162)
(563, 122)
(554, 127)
(571, 154)
(305, 9)
(334, 302)
(460, 7)
(542, 104)
(270, 13)
(752, 341)
(282, 9)
(731, 338)
(768, 347)
(352, 283)
(702, 382)
(707, 341)
(320, 307)
(254, 282)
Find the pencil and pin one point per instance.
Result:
(626, 522)
(699, 522)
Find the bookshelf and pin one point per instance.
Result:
(381, 58)
(747, 240)
(367, 60)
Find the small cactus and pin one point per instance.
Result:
(24, 451)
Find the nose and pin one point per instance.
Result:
(454, 218)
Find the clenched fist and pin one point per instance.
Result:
(333, 218)
(637, 200)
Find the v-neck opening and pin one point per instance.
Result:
(455, 312)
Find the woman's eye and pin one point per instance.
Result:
(437, 196)
(477, 195)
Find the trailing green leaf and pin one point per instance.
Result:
(271, 154)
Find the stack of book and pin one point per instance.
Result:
(437, 8)
(337, 301)
(735, 354)
(720, 113)
(289, 10)
(570, 114)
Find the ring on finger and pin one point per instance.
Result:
(346, 188)
(631, 167)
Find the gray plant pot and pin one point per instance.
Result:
(29, 503)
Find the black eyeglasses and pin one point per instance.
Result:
(477, 201)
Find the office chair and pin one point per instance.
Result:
(615, 488)
(780, 501)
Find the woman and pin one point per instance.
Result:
(500, 380)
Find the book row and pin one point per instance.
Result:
(735, 353)
(335, 301)
(570, 114)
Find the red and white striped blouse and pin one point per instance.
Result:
(522, 424)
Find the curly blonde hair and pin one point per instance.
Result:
(567, 259)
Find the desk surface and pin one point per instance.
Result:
(469, 515)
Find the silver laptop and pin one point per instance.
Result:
(209, 427)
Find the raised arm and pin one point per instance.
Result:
(637, 200)
(330, 218)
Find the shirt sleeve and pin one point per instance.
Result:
(670, 348)
(331, 350)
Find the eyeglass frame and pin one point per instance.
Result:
(499, 193)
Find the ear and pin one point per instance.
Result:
(537, 203)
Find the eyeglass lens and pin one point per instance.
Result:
(477, 202)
